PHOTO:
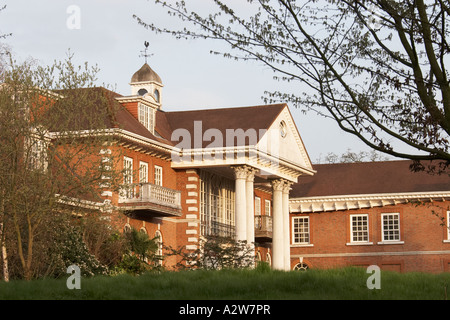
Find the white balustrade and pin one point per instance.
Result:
(150, 193)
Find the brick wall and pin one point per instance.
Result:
(423, 242)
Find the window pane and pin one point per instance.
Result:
(391, 227)
(301, 230)
(360, 230)
(257, 206)
(158, 176)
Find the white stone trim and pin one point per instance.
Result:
(369, 254)
(237, 156)
(364, 201)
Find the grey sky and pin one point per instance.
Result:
(112, 39)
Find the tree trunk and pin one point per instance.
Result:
(4, 255)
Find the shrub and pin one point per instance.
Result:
(216, 253)
(71, 249)
(140, 255)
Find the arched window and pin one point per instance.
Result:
(159, 250)
(283, 129)
(269, 259)
(142, 92)
(127, 228)
(301, 267)
(157, 95)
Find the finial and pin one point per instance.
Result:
(144, 52)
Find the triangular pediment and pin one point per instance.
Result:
(283, 140)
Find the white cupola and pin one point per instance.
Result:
(146, 83)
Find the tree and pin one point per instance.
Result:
(140, 253)
(4, 35)
(352, 157)
(53, 125)
(215, 253)
(377, 67)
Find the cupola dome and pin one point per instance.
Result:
(146, 83)
(146, 74)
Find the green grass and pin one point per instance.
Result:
(341, 284)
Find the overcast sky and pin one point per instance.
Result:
(109, 37)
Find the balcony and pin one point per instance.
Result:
(150, 199)
(217, 229)
(263, 228)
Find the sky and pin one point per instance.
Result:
(104, 33)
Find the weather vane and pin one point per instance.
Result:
(144, 52)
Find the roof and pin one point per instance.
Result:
(368, 178)
(99, 110)
(146, 74)
(101, 101)
(245, 118)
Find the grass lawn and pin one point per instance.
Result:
(341, 284)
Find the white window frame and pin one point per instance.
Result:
(128, 176)
(143, 172)
(37, 153)
(352, 231)
(158, 178)
(448, 228)
(297, 234)
(257, 206)
(217, 205)
(146, 116)
(387, 241)
(268, 208)
(269, 258)
(159, 250)
(127, 170)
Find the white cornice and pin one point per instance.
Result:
(140, 99)
(364, 201)
(140, 83)
(269, 165)
(44, 92)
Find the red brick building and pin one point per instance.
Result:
(245, 172)
(364, 214)
(191, 174)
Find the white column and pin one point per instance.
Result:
(240, 203)
(250, 197)
(286, 228)
(278, 262)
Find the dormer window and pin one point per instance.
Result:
(147, 116)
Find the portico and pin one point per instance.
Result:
(245, 226)
(270, 154)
